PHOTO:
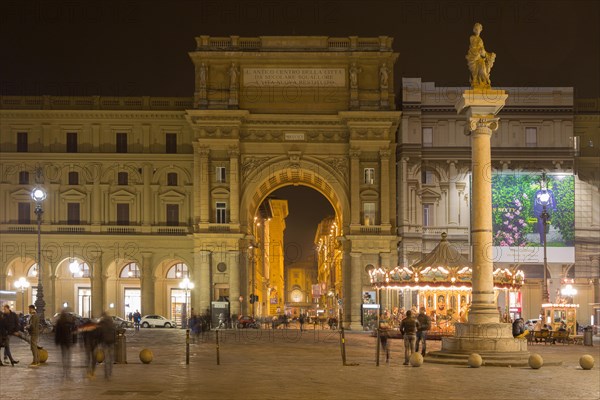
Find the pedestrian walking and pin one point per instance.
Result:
(137, 318)
(301, 320)
(9, 324)
(63, 337)
(408, 329)
(107, 342)
(91, 339)
(424, 326)
(384, 328)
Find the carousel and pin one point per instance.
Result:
(442, 282)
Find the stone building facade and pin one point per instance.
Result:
(143, 191)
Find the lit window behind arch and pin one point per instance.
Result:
(83, 270)
(32, 272)
(131, 270)
(178, 271)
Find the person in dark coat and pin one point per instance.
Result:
(91, 339)
(63, 337)
(107, 342)
(9, 324)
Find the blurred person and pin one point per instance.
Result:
(34, 335)
(107, 342)
(8, 327)
(518, 329)
(424, 326)
(408, 329)
(137, 317)
(91, 338)
(63, 337)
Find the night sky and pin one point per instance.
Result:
(131, 48)
(134, 48)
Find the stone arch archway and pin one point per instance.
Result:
(282, 173)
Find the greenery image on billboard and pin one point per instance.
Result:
(518, 204)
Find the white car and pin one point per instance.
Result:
(153, 320)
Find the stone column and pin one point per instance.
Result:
(356, 290)
(234, 281)
(404, 206)
(355, 187)
(97, 289)
(147, 283)
(197, 185)
(204, 185)
(3, 277)
(452, 194)
(384, 155)
(96, 198)
(147, 195)
(234, 185)
(480, 108)
(346, 289)
(596, 282)
(202, 280)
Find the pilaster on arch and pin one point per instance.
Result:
(294, 171)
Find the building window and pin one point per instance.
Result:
(121, 143)
(172, 214)
(221, 213)
(369, 213)
(171, 143)
(221, 174)
(427, 177)
(427, 214)
(131, 270)
(23, 178)
(24, 213)
(122, 214)
(73, 178)
(71, 142)
(427, 137)
(178, 271)
(531, 137)
(369, 176)
(123, 178)
(172, 179)
(73, 213)
(22, 142)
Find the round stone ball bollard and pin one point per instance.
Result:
(99, 356)
(475, 360)
(586, 361)
(146, 356)
(416, 360)
(536, 361)
(43, 355)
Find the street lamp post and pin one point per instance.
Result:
(543, 197)
(187, 285)
(39, 195)
(22, 284)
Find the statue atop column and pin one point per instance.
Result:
(480, 62)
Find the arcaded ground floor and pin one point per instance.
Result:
(284, 364)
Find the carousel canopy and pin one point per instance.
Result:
(444, 267)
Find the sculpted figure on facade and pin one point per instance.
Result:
(480, 62)
(354, 71)
(202, 76)
(233, 76)
(383, 76)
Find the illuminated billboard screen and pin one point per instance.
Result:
(519, 201)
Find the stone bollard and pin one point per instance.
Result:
(146, 356)
(536, 361)
(416, 360)
(586, 361)
(475, 361)
(43, 355)
(99, 356)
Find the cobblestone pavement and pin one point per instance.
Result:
(284, 364)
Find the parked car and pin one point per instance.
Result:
(78, 319)
(157, 320)
(121, 323)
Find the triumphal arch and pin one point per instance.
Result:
(276, 111)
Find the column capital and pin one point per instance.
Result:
(354, 152)
(385, 152)
(202, 150)
(483, 124)
(233, 151)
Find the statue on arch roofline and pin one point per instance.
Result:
(480, 61)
